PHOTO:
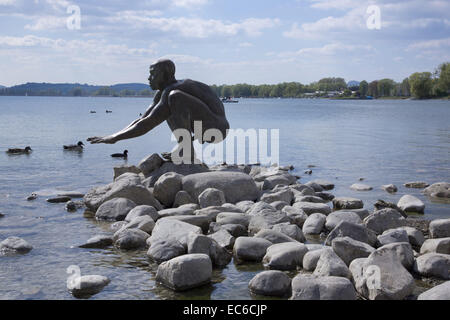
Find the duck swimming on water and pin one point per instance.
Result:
(77, 147)
(120, 155)
(19, 151)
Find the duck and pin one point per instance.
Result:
(78, 146)
(120, 155)
(108, 111)
(19, 151)
(93, 111)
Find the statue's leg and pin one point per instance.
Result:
(185, 109)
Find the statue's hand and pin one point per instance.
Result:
(107, 140)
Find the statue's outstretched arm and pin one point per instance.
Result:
(138, 127)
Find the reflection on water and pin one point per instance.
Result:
(382, 141)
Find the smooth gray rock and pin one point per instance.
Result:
(229, 207)
(403, 251)
(279, 205)
(259, 207)
(223, 238)
(440, 228)
(118, 171)
(270, 283)
(274, 236)
(130, 239)
(310, 259)
(329, 264)
(150, 164)
(440, 292)
(210, 212)
(343, 203)
(245, 205)
(206, 245)
(285, 256)
(440, 190)
(14, 245)
(116, 226)
(393, 236)
(334, 218)
(415, 236)
(385, 219)
(266, 219)
(360, 187)
(315, 186)
(409, 203)
(391, 188)
(181, 198)
(291, 230)
(184, 210)
(382, 276)
(165, 250)
(441, 245)
(347, 229)
(185, 272)
(98, 242)
(314, 224)
(141, 211)
(236, 230)
(362, 213)
(349, 249)
(128, 185)
(211, 197)
(313, 199)
(285, 195)
(295, 215)
(250, 248)
(115, 209)
(327, 197)
(87, 285)
(144, 223)
(310, 207)
(171, 228)
(167, 166)
(309, 287)
(284, 179)
(326, 185)
(166, 188)
(233, 218)
(433, 265)
(236, 186)
(200, 221)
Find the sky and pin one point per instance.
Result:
(221, 41)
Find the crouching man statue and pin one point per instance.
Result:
(183, 104)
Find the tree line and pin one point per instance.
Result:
(420, 85)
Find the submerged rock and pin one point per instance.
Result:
(409, 203)
(14, 245)
(87, 285)
(98, 242)
(416, 185)
(250, 249)
(360, 187)
(391, 188)
(440, 190)
(270, 283)
(61, 199)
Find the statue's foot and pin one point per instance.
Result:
(167, 156)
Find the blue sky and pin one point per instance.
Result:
(221, 41)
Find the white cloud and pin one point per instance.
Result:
(7, 2)
(193, 27)
(326, 50)
(430, 44)
(189, 3)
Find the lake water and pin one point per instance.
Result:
(381, 141)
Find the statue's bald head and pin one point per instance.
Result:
(166, 66)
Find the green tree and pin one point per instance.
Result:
(443, 79)
(421, 84)
(385, 87)
(363, 88)
(373, 89)
(405, 88)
